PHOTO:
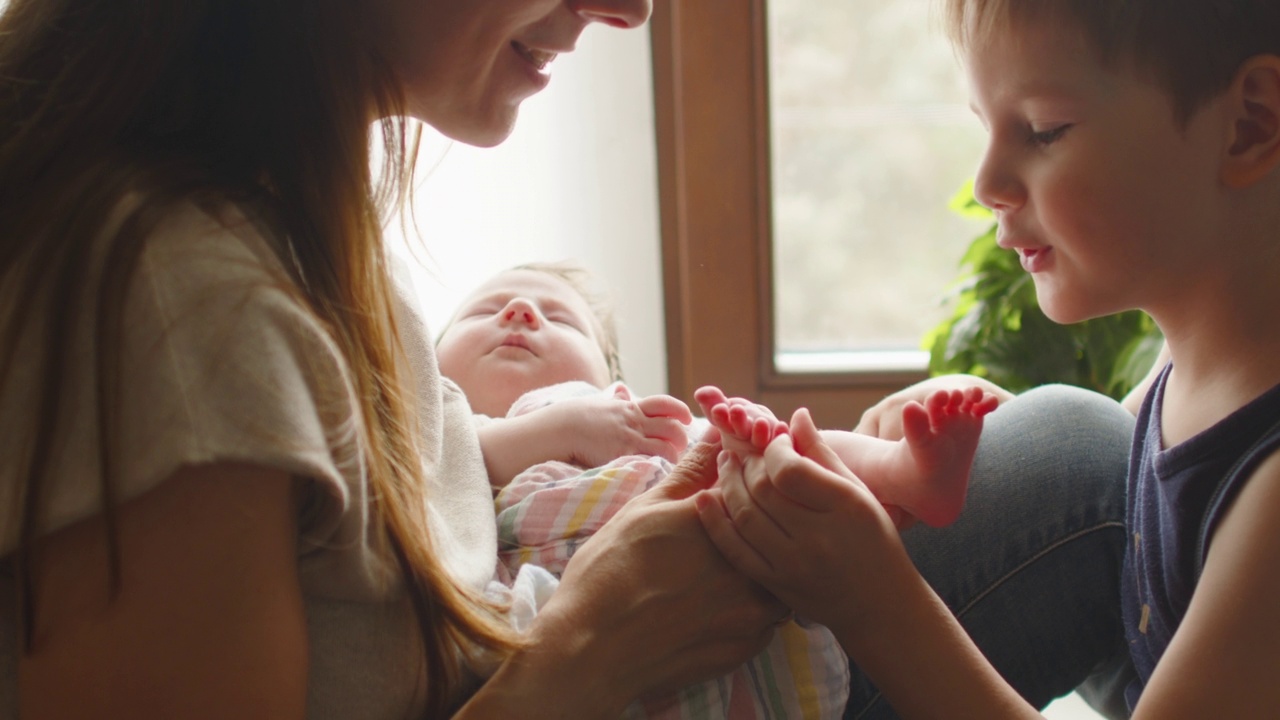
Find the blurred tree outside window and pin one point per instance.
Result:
(871, 134)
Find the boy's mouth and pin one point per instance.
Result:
(1034, 259)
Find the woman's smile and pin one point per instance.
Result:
(539, 59)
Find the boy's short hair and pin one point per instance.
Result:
(1192, 48)
(582, 281)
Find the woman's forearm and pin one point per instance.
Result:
(560, 674)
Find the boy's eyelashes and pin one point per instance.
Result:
(1044, 138)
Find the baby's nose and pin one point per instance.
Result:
(521, 312)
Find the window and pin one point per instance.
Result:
(779, 179)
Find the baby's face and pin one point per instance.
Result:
(519, 331)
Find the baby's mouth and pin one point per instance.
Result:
(516, 340)
(540, 59)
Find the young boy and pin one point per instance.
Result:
(536, 351)
(1132, 163)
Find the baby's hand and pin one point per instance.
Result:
(601, 428)
(746, 428)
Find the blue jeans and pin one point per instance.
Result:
(1032, 567)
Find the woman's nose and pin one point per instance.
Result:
(618, 13)
(521, 312)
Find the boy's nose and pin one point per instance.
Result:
(995, 186)
(618, 13)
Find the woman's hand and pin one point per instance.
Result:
(646, 605)
(884, 419)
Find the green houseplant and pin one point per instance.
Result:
(997, 331)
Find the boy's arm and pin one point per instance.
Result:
(1223, 658)
(796, 521)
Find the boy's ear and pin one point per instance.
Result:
(1254, 137)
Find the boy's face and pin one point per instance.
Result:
(1105, 197)
(519, 331)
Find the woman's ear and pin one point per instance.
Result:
(1253, 148)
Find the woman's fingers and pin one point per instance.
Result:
(675, 610)
(695, 471)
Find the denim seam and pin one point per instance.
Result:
(1005, 578)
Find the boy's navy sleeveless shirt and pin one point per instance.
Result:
(1176, 499)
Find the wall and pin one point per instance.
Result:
(577, 181)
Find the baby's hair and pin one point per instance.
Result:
(1192, 48)
(582, 281)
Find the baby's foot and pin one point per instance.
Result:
(942, 437)
(745, 427)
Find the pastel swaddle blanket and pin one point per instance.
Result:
(549, 510)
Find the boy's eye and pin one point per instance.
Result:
(1048, 137)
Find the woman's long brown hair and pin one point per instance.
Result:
(245, 101)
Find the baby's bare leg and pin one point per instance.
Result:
(927, 472)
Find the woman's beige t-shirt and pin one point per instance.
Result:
(223, 364)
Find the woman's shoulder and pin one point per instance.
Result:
(217, 357)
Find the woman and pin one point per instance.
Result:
(237, 485)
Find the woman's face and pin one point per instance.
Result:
(468, 64)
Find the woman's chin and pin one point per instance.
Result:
(483, 132)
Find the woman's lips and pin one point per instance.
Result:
(539, 59)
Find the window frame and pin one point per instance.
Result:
(715, 196)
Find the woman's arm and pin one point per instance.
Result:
(209, 621)
(646, 605)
